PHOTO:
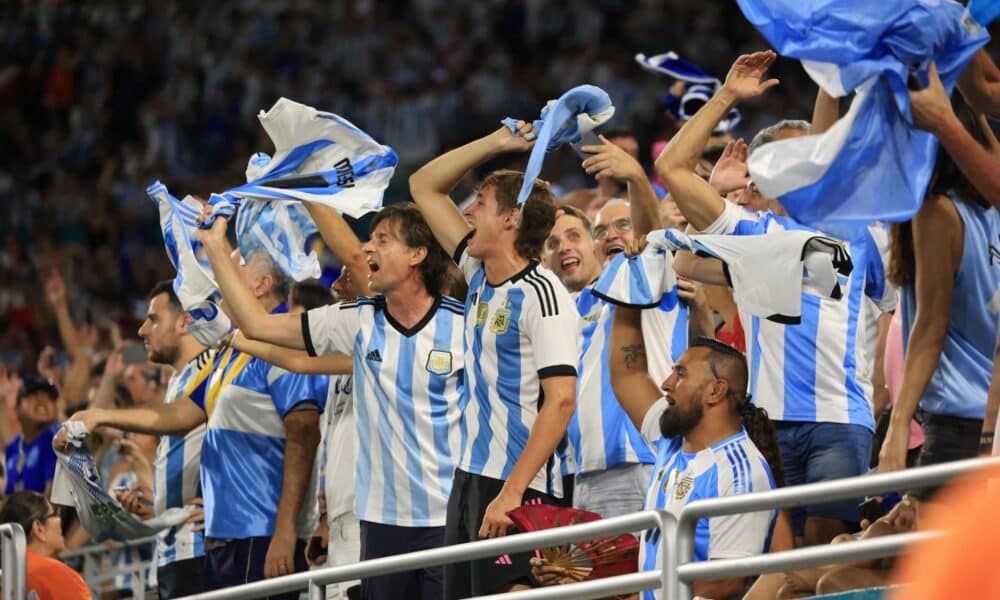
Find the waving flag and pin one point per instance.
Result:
(319, 157)
(563, 121)
(873, 164)
(768, 273)
(675, 67)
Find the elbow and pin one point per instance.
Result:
(669, 164)
(418, 184)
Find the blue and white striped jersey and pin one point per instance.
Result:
(600, 433)
(243, 454)
(177, 469)
(517, 333)
(409, 388)
(814, 371)
(727, 468)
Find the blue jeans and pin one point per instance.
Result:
(813, 452)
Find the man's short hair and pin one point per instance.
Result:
(281, 283)
(538, 214)
(416, 233)
(310, 294)
(572, 211)
(768, 134)
(725, 359)
(166, 287)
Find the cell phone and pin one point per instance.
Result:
(316, 547)
(586, 139)
(134, 353)
(871, 509)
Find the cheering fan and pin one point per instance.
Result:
(594, 559)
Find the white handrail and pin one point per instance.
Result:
(677, 569)
(14, 561)
(316, 580)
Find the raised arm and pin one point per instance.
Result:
(343, 243)
(297, 361)
(176, 418)
(611, 162)
(980, 84)
(932, 111)
(826, 112)
(634, 388)
(255, 322)
(937, 247)
(698, 201)
(431, 184)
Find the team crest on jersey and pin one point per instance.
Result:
(439, 362)
(683, 487)
(501, 320)
(482, 310)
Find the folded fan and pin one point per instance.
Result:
(594, 559)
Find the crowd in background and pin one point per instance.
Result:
(98, 101)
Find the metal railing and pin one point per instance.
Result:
(13, 561)
(680, 572)
(677, 569)
(95, 572)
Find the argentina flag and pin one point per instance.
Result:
(319, 157)
(194, 282)
(872, 164)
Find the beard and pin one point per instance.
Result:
(166, 356)
(677, 422)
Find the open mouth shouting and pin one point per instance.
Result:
(373, 266)
(569, 264)
(614, 248)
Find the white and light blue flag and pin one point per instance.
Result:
(563, 121)
(768, 273)
(872, 164)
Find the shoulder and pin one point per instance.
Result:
(53, 430)
(741, 468)
(544, 288)
(362, 303)
(939, 210)
(452, 305)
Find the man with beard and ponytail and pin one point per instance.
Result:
(706, 434)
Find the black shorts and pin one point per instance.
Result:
(470, 495)
(181, 578)
(946, 439)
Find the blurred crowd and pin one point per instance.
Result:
(98, 101)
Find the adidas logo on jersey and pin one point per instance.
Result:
(374, 355)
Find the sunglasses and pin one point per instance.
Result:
(623, 225)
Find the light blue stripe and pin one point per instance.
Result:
(745, 461)
(481, 445)
(679, 341)
(363, 469)
(638, 283)
(509, 381)
(436, 388)
(383, 429)
(800, 364)
(406, 408)
(859, 411)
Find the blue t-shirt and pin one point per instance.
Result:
(31, 466)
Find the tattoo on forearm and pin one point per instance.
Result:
(635, 355)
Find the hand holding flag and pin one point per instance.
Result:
(520, 138)
(931, 107)
(612, 162)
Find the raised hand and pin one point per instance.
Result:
(931, 106)
(522, 142)
(55, 288)
(731, 173)
(744, 78)
(611, 162)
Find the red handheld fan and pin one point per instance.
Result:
(595, 559)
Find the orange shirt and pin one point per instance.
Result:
(50, 579)
(962, 564)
